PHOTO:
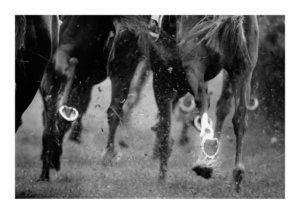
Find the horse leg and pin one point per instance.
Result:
(54, 127)
(240, 122)
(28, 77)
(137, 84)
(163, 98)
(76, 130)
(223, 105)
(84, 96)
(184, 106)
(162, 147)
(25, 92)
(120, 84)
(184, 139)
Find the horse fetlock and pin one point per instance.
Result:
(162, 172)
(238, 174)
(108, 157)
(44, 177)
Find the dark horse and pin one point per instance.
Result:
(36, 39)
(205, 45)
(91, 48)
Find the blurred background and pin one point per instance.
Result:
(268, 82)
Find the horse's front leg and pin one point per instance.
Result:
(54, 127)
(163, 148)
(163, 97)
(119, 88)
(122, 70)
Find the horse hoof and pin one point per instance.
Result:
(162, 177)
(238, 175)
(55, 163)
(205, 172)
(43, 179)
(108, 158)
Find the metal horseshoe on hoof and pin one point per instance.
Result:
(207, 156)
(197, 122)
(187, 103)
(205, 127)
(68, 113)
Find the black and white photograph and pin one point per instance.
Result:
(150, 106)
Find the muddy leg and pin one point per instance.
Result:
(163, 139)
(223, 105)
(54, 128)
(162, 147)
(120, 82)
(121, 68)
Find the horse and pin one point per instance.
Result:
(91, 48)
(36, 38)
(205, 45)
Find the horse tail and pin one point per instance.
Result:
(239, 44)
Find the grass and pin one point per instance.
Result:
(135, 175)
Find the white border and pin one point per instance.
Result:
(10, 8)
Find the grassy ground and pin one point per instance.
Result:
(135, 174)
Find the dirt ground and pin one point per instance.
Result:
(135, 174)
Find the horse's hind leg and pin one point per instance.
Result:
(223, 105)
(241, 85)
